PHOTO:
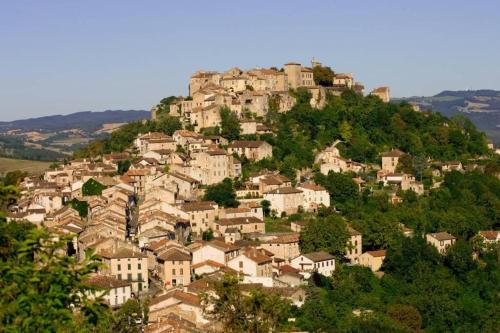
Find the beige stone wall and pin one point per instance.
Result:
(354, 253)
(286, 251)
(389, 163)
(176, 273)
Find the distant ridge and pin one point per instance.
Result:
(88, 121)
(56, 137)
(482, 107)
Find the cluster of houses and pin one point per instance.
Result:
(159, 239)
(248, 94)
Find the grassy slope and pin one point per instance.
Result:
(10, 164)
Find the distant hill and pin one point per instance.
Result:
(87, 121)
(56, 137)
(482, 107)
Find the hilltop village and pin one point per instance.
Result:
(172, 214)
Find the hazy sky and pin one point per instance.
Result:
(61, 57)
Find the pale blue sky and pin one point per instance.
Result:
(61, 57)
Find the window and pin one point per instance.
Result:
(173, 271)
(181, 271)
(119, 276)
(140, 286)
(129, 276)
(119, 267)
(241, 264)
(139, 276)
(123, 289)
(139, 266)
(174, 282)
(129, 266)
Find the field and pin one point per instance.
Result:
(10, 164)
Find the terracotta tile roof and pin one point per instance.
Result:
(246, 144)
(312, 187)
(208, 263)
(442, 236)
(376, 254)
(222, 245)
(121, 253)
(183, 177)
(285, 239)
(238, 220)
(490, 234)
(179, 295)
(174, 254)
(106, 282)
(284, 190)
(393, 153)
(288, 269)
(274, 179)
(257, 256)
(318, 256)
(198, 206)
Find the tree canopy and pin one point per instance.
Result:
(92, 187)
(40, 287)
(223, 193)
(328, 234)
(229, 124)
(259, 311)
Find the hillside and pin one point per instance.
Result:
(10, 164)
(88, 121)
(53, 137)
(482, 107)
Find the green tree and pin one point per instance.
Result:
(92, 187)
(323, 76)
(123, 166)
(230, 125)
(207, 235)
(406, 315)
(14, 177)
(345, 131)
(266, 207)
(125, 318)
(340, 186)
(258, 312)
(325, 234)
(459, 258)
(223, 193)
(8, 195)
(40, 287)
(82, 207)
(405, 164)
